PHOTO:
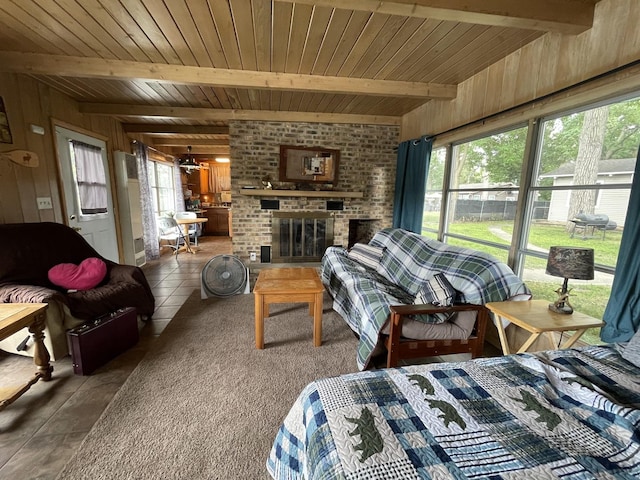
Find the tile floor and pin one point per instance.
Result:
(41, 430)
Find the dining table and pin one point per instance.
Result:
(185, 222)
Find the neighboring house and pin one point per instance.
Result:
(612, 203)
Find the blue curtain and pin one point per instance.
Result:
(411, 180)
(622, 315)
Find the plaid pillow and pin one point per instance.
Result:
(436, 291)
(632, 350)
(366, 255)
(439, 292)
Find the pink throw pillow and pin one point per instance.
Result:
(85, 276)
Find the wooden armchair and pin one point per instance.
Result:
(403, 348)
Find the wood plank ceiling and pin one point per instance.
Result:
(180, 70)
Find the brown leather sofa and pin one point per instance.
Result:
(29, 250)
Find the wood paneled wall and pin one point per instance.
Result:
(30, 102)
(546, 65)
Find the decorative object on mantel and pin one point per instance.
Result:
(266, 182)
(568, 262)
(189, 163)
(304, 165)
(22, 157)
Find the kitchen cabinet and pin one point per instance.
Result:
(218, 221)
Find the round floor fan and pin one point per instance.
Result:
(224, 276)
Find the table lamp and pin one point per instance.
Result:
(568, 262)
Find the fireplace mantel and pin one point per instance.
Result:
(299, 193)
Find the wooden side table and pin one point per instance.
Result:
(13, 318)
(535, 317)
(288, 285)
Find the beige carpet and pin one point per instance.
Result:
(204, 403)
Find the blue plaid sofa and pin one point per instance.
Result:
(376, 298)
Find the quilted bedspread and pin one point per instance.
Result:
(571, 414)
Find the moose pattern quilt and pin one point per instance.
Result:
(571, 414)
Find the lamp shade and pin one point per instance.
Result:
(570, 262)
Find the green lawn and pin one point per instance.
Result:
(590, 299)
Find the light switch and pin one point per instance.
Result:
(37, 129)
(44, 203)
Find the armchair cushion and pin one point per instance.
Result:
(88, 274)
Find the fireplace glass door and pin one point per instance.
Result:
(300, 236)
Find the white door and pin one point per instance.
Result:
(88, 199)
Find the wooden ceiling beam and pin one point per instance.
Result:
(162, 129)
(184, 142)
(86, 67)
(563, 16)
(226, 115)
(198, 152)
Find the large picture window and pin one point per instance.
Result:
(583, 173)
(578, 182)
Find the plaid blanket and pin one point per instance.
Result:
(570, 414)
(362, 296)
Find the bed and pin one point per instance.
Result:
(571, 414)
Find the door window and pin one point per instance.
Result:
(90, 178)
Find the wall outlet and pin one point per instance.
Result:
(252, 256)
(44, 203)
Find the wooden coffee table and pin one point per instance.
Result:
(535, 317)
(288, 285)
(13, 318)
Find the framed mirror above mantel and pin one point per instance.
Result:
(309, 164)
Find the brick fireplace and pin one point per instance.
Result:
(367, 165)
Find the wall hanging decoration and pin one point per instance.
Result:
(5, 131)
(22, 157)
